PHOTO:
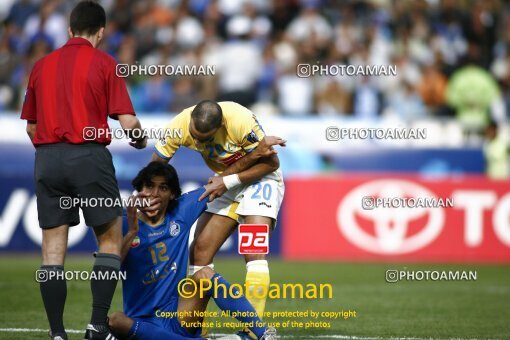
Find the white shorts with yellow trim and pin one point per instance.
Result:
(261, 198)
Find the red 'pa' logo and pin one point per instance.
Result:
(253, 239)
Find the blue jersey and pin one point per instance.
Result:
(158, 259)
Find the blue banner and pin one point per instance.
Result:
(19, 226)
(19, 229)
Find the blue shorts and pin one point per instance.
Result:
(160, 328)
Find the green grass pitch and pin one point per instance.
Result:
(419, 309)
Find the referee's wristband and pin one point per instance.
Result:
(231, 181)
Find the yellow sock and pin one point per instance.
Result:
(257, 276)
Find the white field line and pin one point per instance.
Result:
(331, 336)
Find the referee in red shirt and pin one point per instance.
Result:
(70, 93)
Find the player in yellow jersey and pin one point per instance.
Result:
(248, 189)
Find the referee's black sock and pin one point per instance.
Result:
(102, 290)
(54, 292)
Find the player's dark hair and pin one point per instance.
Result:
(164, 170)
(207, 115)
(87, 17)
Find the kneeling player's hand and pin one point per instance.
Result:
(152, 208)
(214, 188)
(132, 214)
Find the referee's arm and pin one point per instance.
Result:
(29, 111)
(117, 95)
(31, 127)
(132, 126)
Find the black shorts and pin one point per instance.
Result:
(68, 175)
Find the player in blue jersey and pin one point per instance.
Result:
(155, 257)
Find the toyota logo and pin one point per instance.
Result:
(389, 231)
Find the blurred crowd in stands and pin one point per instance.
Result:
(452, 56)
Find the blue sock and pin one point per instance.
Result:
(239, 304)
(142, 330)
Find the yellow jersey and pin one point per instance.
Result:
(239, 135)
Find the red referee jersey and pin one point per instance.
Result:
(72, 90)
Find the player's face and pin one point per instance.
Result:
(158, 188)
(201, 137)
